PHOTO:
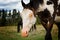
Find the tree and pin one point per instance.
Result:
(9, 12)
(18, 14)
(4, 13)
(0, 12)
(14, 15)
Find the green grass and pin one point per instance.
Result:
(10, 33)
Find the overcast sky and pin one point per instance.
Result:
(12, 4)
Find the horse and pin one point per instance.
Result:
(46, 11)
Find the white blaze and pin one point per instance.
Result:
(27, 21)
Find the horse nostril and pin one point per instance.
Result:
(26, 32)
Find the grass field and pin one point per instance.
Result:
(10, 33)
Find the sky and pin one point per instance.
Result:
(12, 4)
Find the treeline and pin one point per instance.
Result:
(8, 17)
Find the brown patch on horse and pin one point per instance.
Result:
(32, 14)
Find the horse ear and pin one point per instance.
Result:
(27, 5)
(23, 4)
